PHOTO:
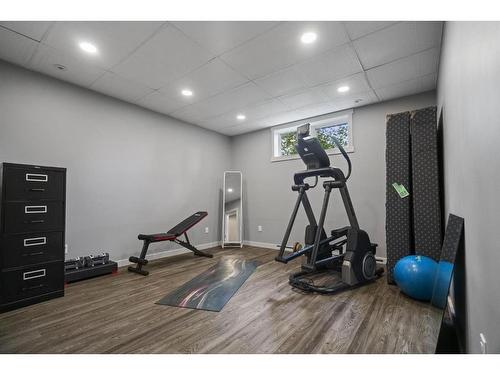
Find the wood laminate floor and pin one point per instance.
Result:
(118, 314)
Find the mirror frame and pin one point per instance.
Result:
(240, 213)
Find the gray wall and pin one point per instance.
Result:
(130, 170)
(469, 95)
(268, 199)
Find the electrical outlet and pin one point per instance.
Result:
(65, 248)
(259, 228)
(206, 229)
(483, 343)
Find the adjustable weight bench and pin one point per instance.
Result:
(171, 235)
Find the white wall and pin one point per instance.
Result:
(267, 195)
(469, 96)
(130, 170)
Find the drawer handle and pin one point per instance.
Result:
(38, 190)
(37, 241)
(34, 274)
(34, 222)
(35, 209)
(37, 177)
(33, 254)
(26, 288)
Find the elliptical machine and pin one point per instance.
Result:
(357, 264)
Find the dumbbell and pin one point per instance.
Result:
(88, 261)
(96, 260)
(74, 264)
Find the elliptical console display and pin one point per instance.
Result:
(346, 250)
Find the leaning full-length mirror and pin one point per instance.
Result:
(232, 209)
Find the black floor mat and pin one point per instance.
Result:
(212, 289)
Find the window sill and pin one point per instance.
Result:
(349, 150)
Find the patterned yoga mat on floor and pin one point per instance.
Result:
(212, 289)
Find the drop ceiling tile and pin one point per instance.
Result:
(46, 58)
(190, 113)
(161, 102)
(119, 87)
(32, 29)
(115, 40)
(357, 29)
(241, 129)
(429, 34)
(220, 122)
(351, 101)
(16, 48)
(210, 79)
(330, 66)
(264, 109)
(165, 57)
(401, 89)
(281, 47)
(235, 99)
(283, 81)
(395, 42)
(428, 61)
(357, 83)
(404, 69)
(278, 119)
(252, 113)
(221, 36)
(304, 98)
(429, 82)
(394, 72)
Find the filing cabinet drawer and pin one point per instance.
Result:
(34, 216)
(31, 281)
(27, 249)
(30, 183)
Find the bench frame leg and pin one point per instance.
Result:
(138, 268)
(188, 246)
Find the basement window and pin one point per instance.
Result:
(338, 125)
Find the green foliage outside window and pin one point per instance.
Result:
(324, 135)
(288, 142)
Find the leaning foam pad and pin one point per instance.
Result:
(212, 289)
(398, 210)
(425, 179)
(451, 243)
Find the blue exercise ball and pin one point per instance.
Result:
(414, 274)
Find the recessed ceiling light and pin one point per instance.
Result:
(229, 190)
(88, 47)
(308, 37)
(343, 89)
(187, 92)
(241, 117)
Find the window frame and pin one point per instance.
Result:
(318, 122)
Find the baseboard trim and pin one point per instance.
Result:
(264, 245)
(170, 253)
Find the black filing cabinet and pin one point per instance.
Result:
(32, 223)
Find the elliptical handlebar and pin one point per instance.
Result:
(346, 157)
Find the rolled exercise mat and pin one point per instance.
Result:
(212, 289)
(399, 242)
(427, 230)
